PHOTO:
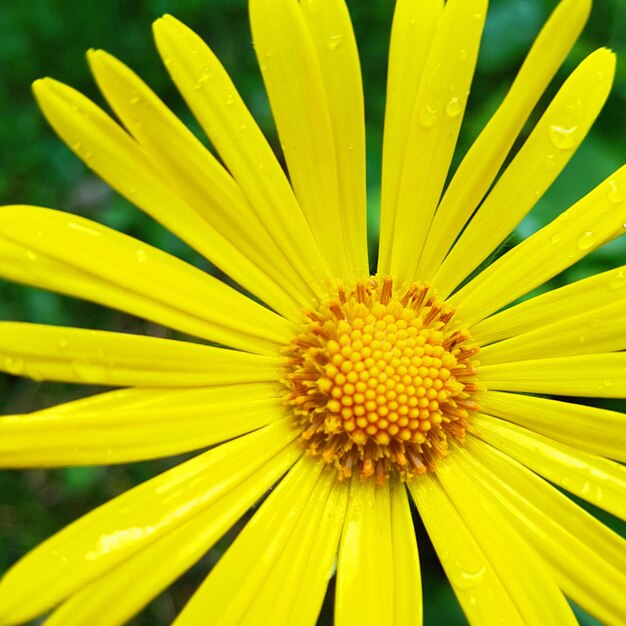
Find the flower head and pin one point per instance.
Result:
(335, 395)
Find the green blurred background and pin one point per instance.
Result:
(49, 38)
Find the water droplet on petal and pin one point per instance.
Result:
(563, 137)
(134, 99)
(462, 56)
(230, 99)
(618, 281)
(555, 238)
(63, 343)
(141, 255)
(616, 195)
(453, 108)
(335, 41)
(14, 365)
(428, 116)
(586, 240)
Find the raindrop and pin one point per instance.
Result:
(141, 255)
(550, 164)
(428, 116)
(555, 238)
(607, 382)
(453, 108)
(335, 41)
(616, 195)
(563, 137)
(230, 99)
(243, 125)
(63, 343)
(462, 56)
(586, 240)
(135, 99)
(14, 365)
(31, 255)
(350, 147)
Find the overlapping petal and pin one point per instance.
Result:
(170, 422)
(120, 359)
(85, 259)
(220, 483)
(547, 150)
(273, 556)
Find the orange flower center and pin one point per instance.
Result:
(379, 381)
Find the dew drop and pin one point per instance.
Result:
(462, 55)
(453, 108)
(230, 99)
(550, 164)
(616, 195)
(31, 255)
(607, 382)
(563, 137)
(14, 365)
(135, 99)
(335, 41)
(141, 255)
(350, 147)
(555, 238)
(63, 343)
(586, 240)
(243, 125)
(428, 116)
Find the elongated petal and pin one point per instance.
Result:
(592, 331)
(297, 94)
(587, 428)
(480, 165)
(542, 157)
(583, 295)
(120, 161)
(271, 558)
(212, 97)
(135, 277)
(579, 549)
(593, 220)
(120, 529)
(331, 30)
(190, 420)
(115, 596)
(593, 376)
(434, 128)
(412, 32)
(520, 568)
(592, 478)
(193, 171)
(118, 359)
(476, 583)
(377, 573)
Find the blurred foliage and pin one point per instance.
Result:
(49, 37)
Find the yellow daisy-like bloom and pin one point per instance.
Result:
(350, 394)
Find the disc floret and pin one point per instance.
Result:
(379, 381)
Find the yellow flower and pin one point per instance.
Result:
(349, 394)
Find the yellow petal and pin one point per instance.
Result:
(593, 220)
(587, 428)
(193, 171)
(377, 572)
(186, 419)
(119, 359)
(593, 376)
(331, 29)
(412, 32)
(82, 258)
(480, 165)
(297, 94)
(578, 548)
(117, 595)
(526, 576)
(597, 480)
(583, 295)
(545, 153)
(271, 573)
(120, 529)
(433, 130)
(597, 330)
(123, 164)
(476, 583)
(212, 97)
